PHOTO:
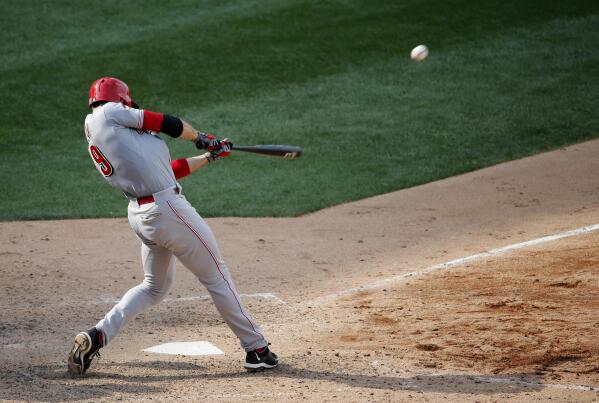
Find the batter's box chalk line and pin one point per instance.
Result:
(452, 263)
(191, 348)
(266, 296)
(508, 380)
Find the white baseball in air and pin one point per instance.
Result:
(419, 53)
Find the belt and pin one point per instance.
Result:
(150, 199)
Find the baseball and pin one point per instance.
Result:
(419, 53)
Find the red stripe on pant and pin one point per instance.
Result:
(217, 266)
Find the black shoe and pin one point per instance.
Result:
(261, 358)
(85, 347)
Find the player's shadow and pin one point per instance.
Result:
(451, 383)
(52, 383)
(448, 383)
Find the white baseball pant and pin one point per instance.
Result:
(171, 227)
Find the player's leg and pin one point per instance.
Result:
(159, 274)
(195, 246)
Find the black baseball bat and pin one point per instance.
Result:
(282, 151)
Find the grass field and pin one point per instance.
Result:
(504, 79)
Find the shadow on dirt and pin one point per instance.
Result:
(52, 383)
(455, 383)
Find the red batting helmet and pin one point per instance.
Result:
(110, 89)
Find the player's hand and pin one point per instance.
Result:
(223, 150)
(206, 142)
(225, 147)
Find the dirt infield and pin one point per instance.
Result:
(519, 326)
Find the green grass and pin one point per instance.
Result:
(504, 79)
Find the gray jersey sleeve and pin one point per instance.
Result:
(123, 115)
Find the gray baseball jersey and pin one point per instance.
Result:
(135, 161)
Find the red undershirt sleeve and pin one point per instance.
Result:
(180, 168)
(152, 121)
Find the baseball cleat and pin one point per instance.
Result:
(85, 348)
(261, 358)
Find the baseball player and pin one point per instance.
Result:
(128, 152)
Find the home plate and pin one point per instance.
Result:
(186, 348)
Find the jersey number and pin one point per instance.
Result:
(102, 163)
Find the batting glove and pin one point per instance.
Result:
(206, 142)
(224, 150)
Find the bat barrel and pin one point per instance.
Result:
(282, 151)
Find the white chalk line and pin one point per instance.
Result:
(501, 380)
(483, 379)
(461, 261)
(452, 263)
(111, 300)
(266, 295)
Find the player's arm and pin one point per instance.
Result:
(174, 127)
(160, 122)
(177, 128)
(184, 166)
(183, 130)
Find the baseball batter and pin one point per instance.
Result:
(130, 155)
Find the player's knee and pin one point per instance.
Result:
(215, 276)
(158, 290)
(213, 281)
(157, 293)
